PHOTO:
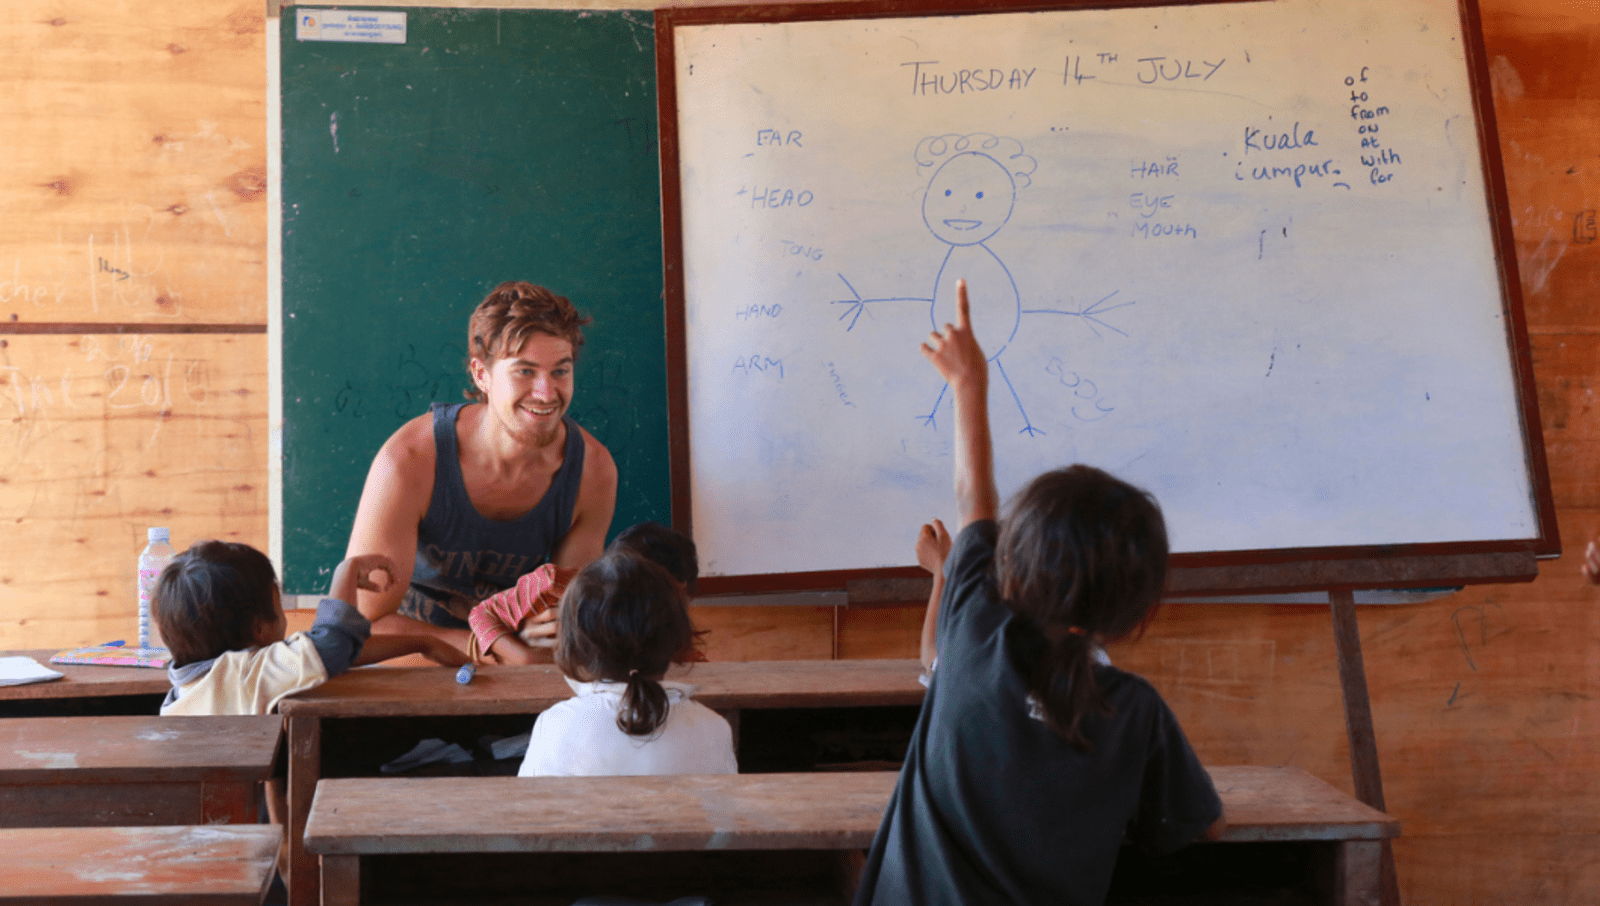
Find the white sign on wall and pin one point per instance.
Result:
(361, 26)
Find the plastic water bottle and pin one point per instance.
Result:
(152, 560)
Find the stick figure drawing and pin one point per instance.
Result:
(970, 196)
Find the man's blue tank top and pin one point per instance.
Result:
(463, 557)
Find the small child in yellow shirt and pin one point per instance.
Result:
(221, 615)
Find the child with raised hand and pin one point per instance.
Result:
(512, 626)
(624, 622)
(1030, 761)
(221, 615)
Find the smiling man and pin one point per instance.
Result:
(471, 496)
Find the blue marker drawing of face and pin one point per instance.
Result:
(969, 199)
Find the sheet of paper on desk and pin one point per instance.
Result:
(15, 671)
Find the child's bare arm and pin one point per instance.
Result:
(954, 351)
(933, 546)
(509, 649)
(385, 647)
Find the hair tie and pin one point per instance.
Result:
(1077, 630)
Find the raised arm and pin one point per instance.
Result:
(933, 546)
(591, 515)
(955, 353)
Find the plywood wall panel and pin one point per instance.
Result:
(1251, 684)
(1497, 869)
(102, 436)
(1552, 165)
(1547, 103)
(754, 633)
(881, 632)
(133, 176)
(1566, 368)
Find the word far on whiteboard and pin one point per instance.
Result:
(361, 26)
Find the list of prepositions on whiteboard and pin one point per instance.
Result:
(1368, 113)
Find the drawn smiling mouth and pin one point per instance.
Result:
(963, 224)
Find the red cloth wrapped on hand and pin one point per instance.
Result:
(503, 613)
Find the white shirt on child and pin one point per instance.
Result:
(252, 681)
(580, 737)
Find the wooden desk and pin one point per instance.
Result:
(432, 691)
(739, 812)
(413, 816)
(121, 770)
(213, 866)
(1289, 805)
(85, 690)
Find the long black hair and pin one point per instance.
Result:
(625, 619)
(1083, 555)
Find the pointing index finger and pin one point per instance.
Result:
(963, 315)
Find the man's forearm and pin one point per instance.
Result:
(395, 624)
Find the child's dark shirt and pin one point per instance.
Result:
(992, 805)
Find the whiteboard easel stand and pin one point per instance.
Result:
(1359, 730)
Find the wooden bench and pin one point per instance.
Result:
(353, 819)
(402, 694)
(120, 770)
(1287, 805)
(182, 866)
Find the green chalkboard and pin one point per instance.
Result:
(492, 145)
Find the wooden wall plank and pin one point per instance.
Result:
(102, 436)
(881, 631)
(1566, 369)
(134, 169)
(746, 633)
(1498, 869)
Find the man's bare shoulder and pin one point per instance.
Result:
(596, 456)
(410, 448)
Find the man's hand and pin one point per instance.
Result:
(933, 546)
(540, 629)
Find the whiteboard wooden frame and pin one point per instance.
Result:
(1256, 571)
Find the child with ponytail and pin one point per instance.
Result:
(1033, 759)
(624, 621)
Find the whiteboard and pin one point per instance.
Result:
(1239, 254)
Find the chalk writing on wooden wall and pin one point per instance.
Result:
(102, 435)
